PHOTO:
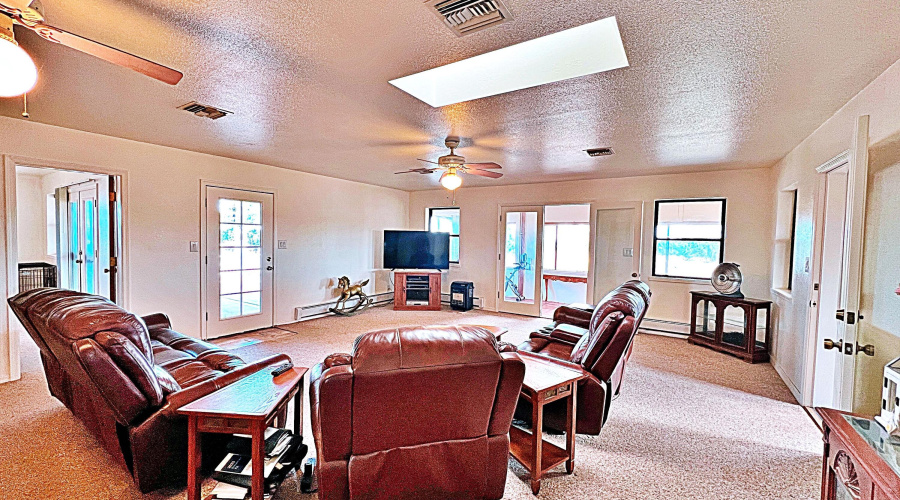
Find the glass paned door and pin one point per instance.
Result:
(240, 261)
(520, 260)
(83, 239)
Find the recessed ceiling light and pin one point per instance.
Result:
(584, 50)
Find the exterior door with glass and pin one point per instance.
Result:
(82, 244)
(520, 259)
(239, 261)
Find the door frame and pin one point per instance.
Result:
(9, 238)
(205, 183)
(857, 160)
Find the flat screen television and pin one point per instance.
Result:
(416, 250)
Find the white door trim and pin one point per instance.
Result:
(538, 259)
(638, 207)
(205, 183)
(9, 336)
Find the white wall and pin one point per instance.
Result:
(333, 227)
(880, 101)
(32, 221)
(748, 225)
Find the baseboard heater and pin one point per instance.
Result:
(321, 309)
(665, 327)
(477, 303)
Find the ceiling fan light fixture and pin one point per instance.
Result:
(18, 74)
(451, 180)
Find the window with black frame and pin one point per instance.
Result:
(446, 220)
(688, 238)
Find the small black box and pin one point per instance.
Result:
(461, 295)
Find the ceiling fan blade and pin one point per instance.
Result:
(483, 165)
(428, 161)
(417, 171)
(107, 53)
(483, 173)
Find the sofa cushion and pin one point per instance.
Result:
(589, 347)
(133, 363)
(190, 361)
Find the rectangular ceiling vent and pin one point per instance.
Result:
(469, 16)
(204, 111)
(599, 152)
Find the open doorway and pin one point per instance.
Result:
(566, 256)
(68, 230)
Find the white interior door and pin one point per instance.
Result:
(240, 230)
(617, 238)
(519, 260)
(83, 248)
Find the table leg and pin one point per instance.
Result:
(537, 435)
(194, 459)
(298, 411)
(571, 428)
(258, 461)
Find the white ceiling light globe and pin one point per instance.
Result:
(18, 74)
(451, 180)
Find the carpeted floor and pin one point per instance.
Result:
(690, 423)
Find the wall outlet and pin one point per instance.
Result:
(627, 252)
(195, 246)
(282, 244)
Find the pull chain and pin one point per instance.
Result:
(25, 105)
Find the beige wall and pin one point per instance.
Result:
(333, 227)
(880, 101)
(748, 225)
(32, 222)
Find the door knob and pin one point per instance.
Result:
(269, 268)
(839, 315)
(634, 275)
(79, 261)
(830, 344)
(868, 349)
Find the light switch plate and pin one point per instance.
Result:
(195, 246)
(627, 252)
(282, 244)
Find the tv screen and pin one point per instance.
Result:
(416, 250)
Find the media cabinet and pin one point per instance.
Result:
(417, 290)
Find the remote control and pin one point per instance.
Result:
(282, 369)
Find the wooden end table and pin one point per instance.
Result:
(546, 381)
(497, 331)
(247, 406)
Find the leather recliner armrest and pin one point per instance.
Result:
(573, 316)
(178, 399)
(156, 321)
(568, 333)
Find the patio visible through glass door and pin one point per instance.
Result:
(240, 261)
(520, 269)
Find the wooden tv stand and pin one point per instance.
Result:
(422, 287)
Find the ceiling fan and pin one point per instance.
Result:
(19, 73)
(453, 165)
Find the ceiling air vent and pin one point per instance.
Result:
(204, 111)
(599, 152)
(469, 16)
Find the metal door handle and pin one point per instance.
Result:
(839, 315)
(79, 261)
(868, 349)
(269, 268)
(634, 275)
(831, 344)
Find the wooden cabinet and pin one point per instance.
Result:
(860, 461)
(417, 291)
(734, 325)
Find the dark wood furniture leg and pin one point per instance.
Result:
(258, 461)
(194, 459)
(537, 435)
(570, 429)
(298, 411)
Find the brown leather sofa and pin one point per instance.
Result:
(418, 412)
(124, 377)
(600, 341)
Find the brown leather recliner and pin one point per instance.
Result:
(124, 377)
(601, 344)
(418, 412)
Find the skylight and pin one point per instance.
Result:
(587, 49)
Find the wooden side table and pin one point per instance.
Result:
(747, 337)
(546, 381)
(861, 461)
(247, 406)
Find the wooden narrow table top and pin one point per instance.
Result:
(543, 373)
(254, 397)
(496, 331)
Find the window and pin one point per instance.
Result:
(565, 247)
(446, 220)
(785, 226)
(51, 225)
(688, 238)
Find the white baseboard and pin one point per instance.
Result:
(665, 327)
